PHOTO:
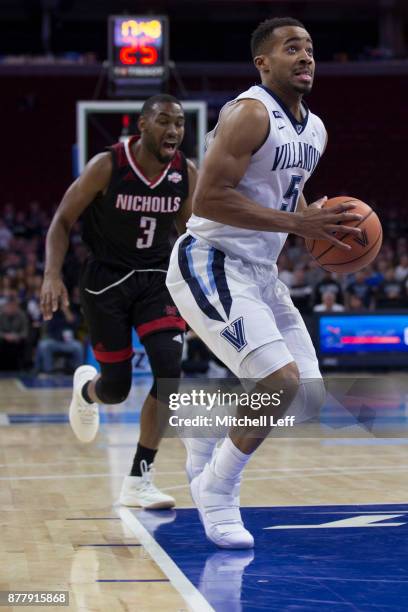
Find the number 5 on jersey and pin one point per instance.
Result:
(148, 224)
(292, 194)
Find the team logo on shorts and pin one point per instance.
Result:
(174, 177)
(235, 335)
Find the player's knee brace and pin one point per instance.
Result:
(115, 382)
(309, 400)
(164, 350)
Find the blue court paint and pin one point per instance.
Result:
(326, 569)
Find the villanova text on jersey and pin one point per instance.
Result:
(129, 225)
(296, 155)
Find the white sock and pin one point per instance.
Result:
(201, 452)
(229, 461)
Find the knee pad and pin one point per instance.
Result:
(164, 350)
(309, 400)
(115, 382)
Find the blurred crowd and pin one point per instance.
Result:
(29, 343)
(26, 341)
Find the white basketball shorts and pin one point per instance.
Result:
(242, 311)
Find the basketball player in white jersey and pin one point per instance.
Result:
(223, 274)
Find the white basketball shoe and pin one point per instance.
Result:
(83, 417)
(140, 492)
(217, 501)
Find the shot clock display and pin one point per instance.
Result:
(138, 47)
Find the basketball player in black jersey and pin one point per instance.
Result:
(129, 197)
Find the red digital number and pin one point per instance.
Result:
(148, 55)
(127, 56)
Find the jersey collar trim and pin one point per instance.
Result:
(136, 168)
(298, 125)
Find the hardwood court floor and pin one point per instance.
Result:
(60, 529)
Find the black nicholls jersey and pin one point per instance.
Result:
(129, 226)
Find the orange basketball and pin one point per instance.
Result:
(364, 248)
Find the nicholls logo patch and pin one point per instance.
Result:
(174, 177)
(235, 334)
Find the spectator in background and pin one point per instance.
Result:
(355, 304)
(13, 335)
(401, 271)
(391, 292)
(6, 289)
(35, 320)
(285, 269)
(313, 272)
(328, 303)
(9, 214)
(11, 263)
(60, 340)
(328, 284)
(296, 248)
(32, 265)
(359, 288)
(402, 244)
(5, 236)
(375, 274)
(301, 291)
(20, 229)
(34, 218)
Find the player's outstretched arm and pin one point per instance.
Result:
(93, 180)
(185, 211)
(243, 128)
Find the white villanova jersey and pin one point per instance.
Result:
(275, 178)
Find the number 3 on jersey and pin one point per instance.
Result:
(292, 194)
(148, 224)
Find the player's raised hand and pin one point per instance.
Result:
(53, 295)
(322, 223)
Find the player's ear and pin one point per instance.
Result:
(261, 62)
(141, 123)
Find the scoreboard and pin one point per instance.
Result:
(372, 339)
(138, 48)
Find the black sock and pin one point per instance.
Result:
(142, 454)
(85, 394)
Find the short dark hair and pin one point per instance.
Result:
(147, 107)
(266, 28)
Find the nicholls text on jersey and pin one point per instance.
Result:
(154, 204)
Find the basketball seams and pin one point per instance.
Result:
(345, 263)
(343, 237)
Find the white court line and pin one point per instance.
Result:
(180, 582)
(70, 461)
(64, 476)
(20, 385)
(312, 472)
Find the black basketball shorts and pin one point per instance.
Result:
(114, 301)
